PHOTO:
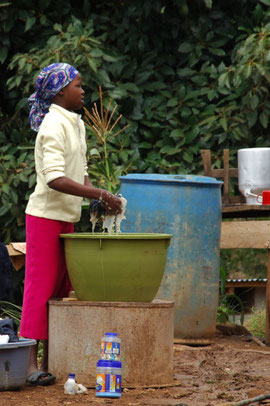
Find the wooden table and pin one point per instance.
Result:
(238, 231)
(241, 232)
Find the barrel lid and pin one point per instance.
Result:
(111, 334)
(154, 177)
(109, 364)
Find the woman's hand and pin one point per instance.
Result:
(111, 203)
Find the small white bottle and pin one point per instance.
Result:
(70, 387)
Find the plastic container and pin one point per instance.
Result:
(70, 386)
(101, 270)
(110, 347)
(14, 359)
(253, 172)
(109, 379)
(189, 207)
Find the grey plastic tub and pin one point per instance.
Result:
(14, 358)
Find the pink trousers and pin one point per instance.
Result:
(45, 273)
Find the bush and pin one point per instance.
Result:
(255, 323)
(187, 75)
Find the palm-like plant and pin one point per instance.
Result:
(103, 126)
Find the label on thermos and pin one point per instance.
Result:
(110, 348)
(108, 383)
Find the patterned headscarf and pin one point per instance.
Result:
(49, 82)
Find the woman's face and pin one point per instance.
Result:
(73, 94)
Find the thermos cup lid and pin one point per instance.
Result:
(109, 364)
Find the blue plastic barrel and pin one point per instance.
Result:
(189, 207)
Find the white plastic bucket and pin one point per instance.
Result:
(253, 173)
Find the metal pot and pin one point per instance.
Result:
(253, 173)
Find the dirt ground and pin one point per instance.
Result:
(230, 369)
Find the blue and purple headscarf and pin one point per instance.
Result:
(49, 82)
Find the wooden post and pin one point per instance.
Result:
(226, 173)
(267, 324)
(226, 186)
(206, 158)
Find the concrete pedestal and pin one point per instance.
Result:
(145, 330)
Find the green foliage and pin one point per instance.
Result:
(74, 44)
(10, 310)
(17, 178)
(240, 263)
(229, 305)
(186, 75)
(256, 323)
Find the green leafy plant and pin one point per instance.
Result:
(229, 305)
(242, 263)
(250, 74)
(10, 310)
(256, 322)
(17, 178)
(189, 89)
(75, 44)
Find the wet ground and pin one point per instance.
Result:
(230, 369)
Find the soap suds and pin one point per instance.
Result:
(93, 220)
(111, 223)
(121, 216)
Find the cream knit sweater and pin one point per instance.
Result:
(60, 150)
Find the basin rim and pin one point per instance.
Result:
(119, 236)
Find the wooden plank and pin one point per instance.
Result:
(234, 208)
(193, 341)
(206, 158)
(246, 284)
(245, 234)
(233, 172)
(267, 323)
(219, 173)
(226, 186)
(233, 212)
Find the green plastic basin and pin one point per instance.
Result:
(118, 268)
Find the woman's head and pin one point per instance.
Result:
(71, 97)
(49, 83)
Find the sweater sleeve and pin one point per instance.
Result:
(53, 148)
(83, 132)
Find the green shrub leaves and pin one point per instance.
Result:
(185, 75)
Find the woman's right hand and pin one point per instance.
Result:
(111, 203)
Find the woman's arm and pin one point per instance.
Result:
(87, 181)
(64, 184)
